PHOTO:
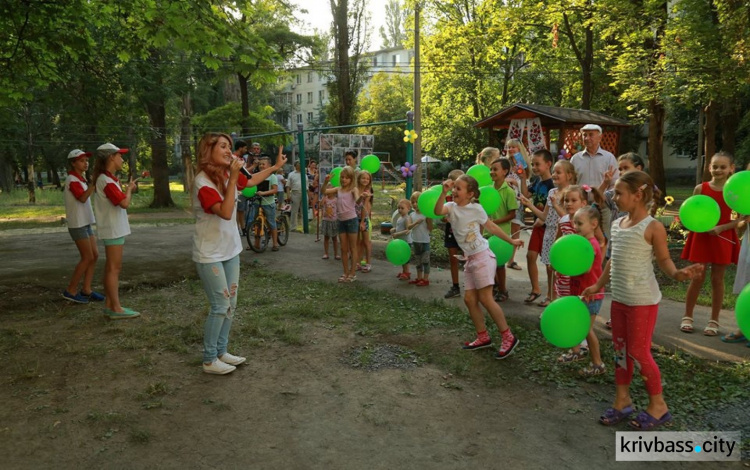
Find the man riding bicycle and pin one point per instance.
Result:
(267, 191)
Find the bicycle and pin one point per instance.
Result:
(259, 229)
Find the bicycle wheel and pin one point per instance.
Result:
(260, 233)
(282, 225)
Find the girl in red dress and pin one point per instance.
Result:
(717, 247)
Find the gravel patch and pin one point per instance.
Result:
(374, 357)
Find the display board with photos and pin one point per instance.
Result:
(333, 147)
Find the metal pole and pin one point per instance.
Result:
(409, 151)
(417, 93)
(303, 176)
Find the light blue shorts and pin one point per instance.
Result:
(81, 233)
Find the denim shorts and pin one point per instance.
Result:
(349, 226)
(594, 306)
(81, 233)
(270, 210)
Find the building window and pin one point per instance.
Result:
(289, 98)
(299, 79)
(309, 97)
(394, 59)
(309, 77)
(299, 98)
(309, 117)
(321, 95)
(374, 61)
(299, 119)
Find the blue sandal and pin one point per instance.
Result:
(614, 416)
(646, 422)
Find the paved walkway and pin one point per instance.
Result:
(153, 253)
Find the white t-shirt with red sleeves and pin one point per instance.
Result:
(78, 214)
(111, 219)
(215, 239)
(467, 222)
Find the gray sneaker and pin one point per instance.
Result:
(218, 368)
(453, 292)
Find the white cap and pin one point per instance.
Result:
(78, 153)
(591, 127)
(110, 149)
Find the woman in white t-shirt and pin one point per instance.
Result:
(80, 217)
(111, 204)
(467, 220)
(217, 244)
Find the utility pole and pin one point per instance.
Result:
(417, 97)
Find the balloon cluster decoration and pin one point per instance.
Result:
(408, 170)
(564, 155)
(410, 136)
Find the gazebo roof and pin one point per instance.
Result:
(550, 116)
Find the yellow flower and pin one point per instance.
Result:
(668, 200)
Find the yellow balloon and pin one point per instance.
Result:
(406, 139)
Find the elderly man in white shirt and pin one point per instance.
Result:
(294, 183)
(592, 162)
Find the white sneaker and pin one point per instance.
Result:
(218, 368)
(232, 360)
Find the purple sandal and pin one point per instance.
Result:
(646, 422)
(614, 416)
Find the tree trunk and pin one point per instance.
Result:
(160, 166)
(187, 154)
(245, 119)
(30, 157)
(656, 144)
(343, 80)
(587, 68)
(132, 158)
(710, 138)
(730, 120)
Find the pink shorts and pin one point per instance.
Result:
(479, 270)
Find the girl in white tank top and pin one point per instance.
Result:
(636, 240)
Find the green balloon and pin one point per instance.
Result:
(249, 192)
(742, 310)
(700, 213)
(336, 177)
(480, 173)
(737, 192)
(427, 201)
(502, 249)
(370, 163)
(398, 252)
(565, 322)
(489, 199)
(571, 255)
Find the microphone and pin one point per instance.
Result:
(244, 171)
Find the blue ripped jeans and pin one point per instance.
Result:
(220, 283)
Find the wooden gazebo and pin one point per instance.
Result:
(568, 121)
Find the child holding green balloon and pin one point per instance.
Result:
(637, 239)
(503, 216)
(718, 246)
(467, 220)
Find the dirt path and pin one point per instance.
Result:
(290, 407)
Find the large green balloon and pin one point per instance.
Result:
(249, 192)
(398, 252)
(480, 173)
(571, 255)
(427, 201)
(566, 322)
(502, 249)
(700, 213)
(737, 192)
(742, 310)
(370, 163)
(489, 199)
(336, 177)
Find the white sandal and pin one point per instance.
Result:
(712, 330)
(687, 325)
